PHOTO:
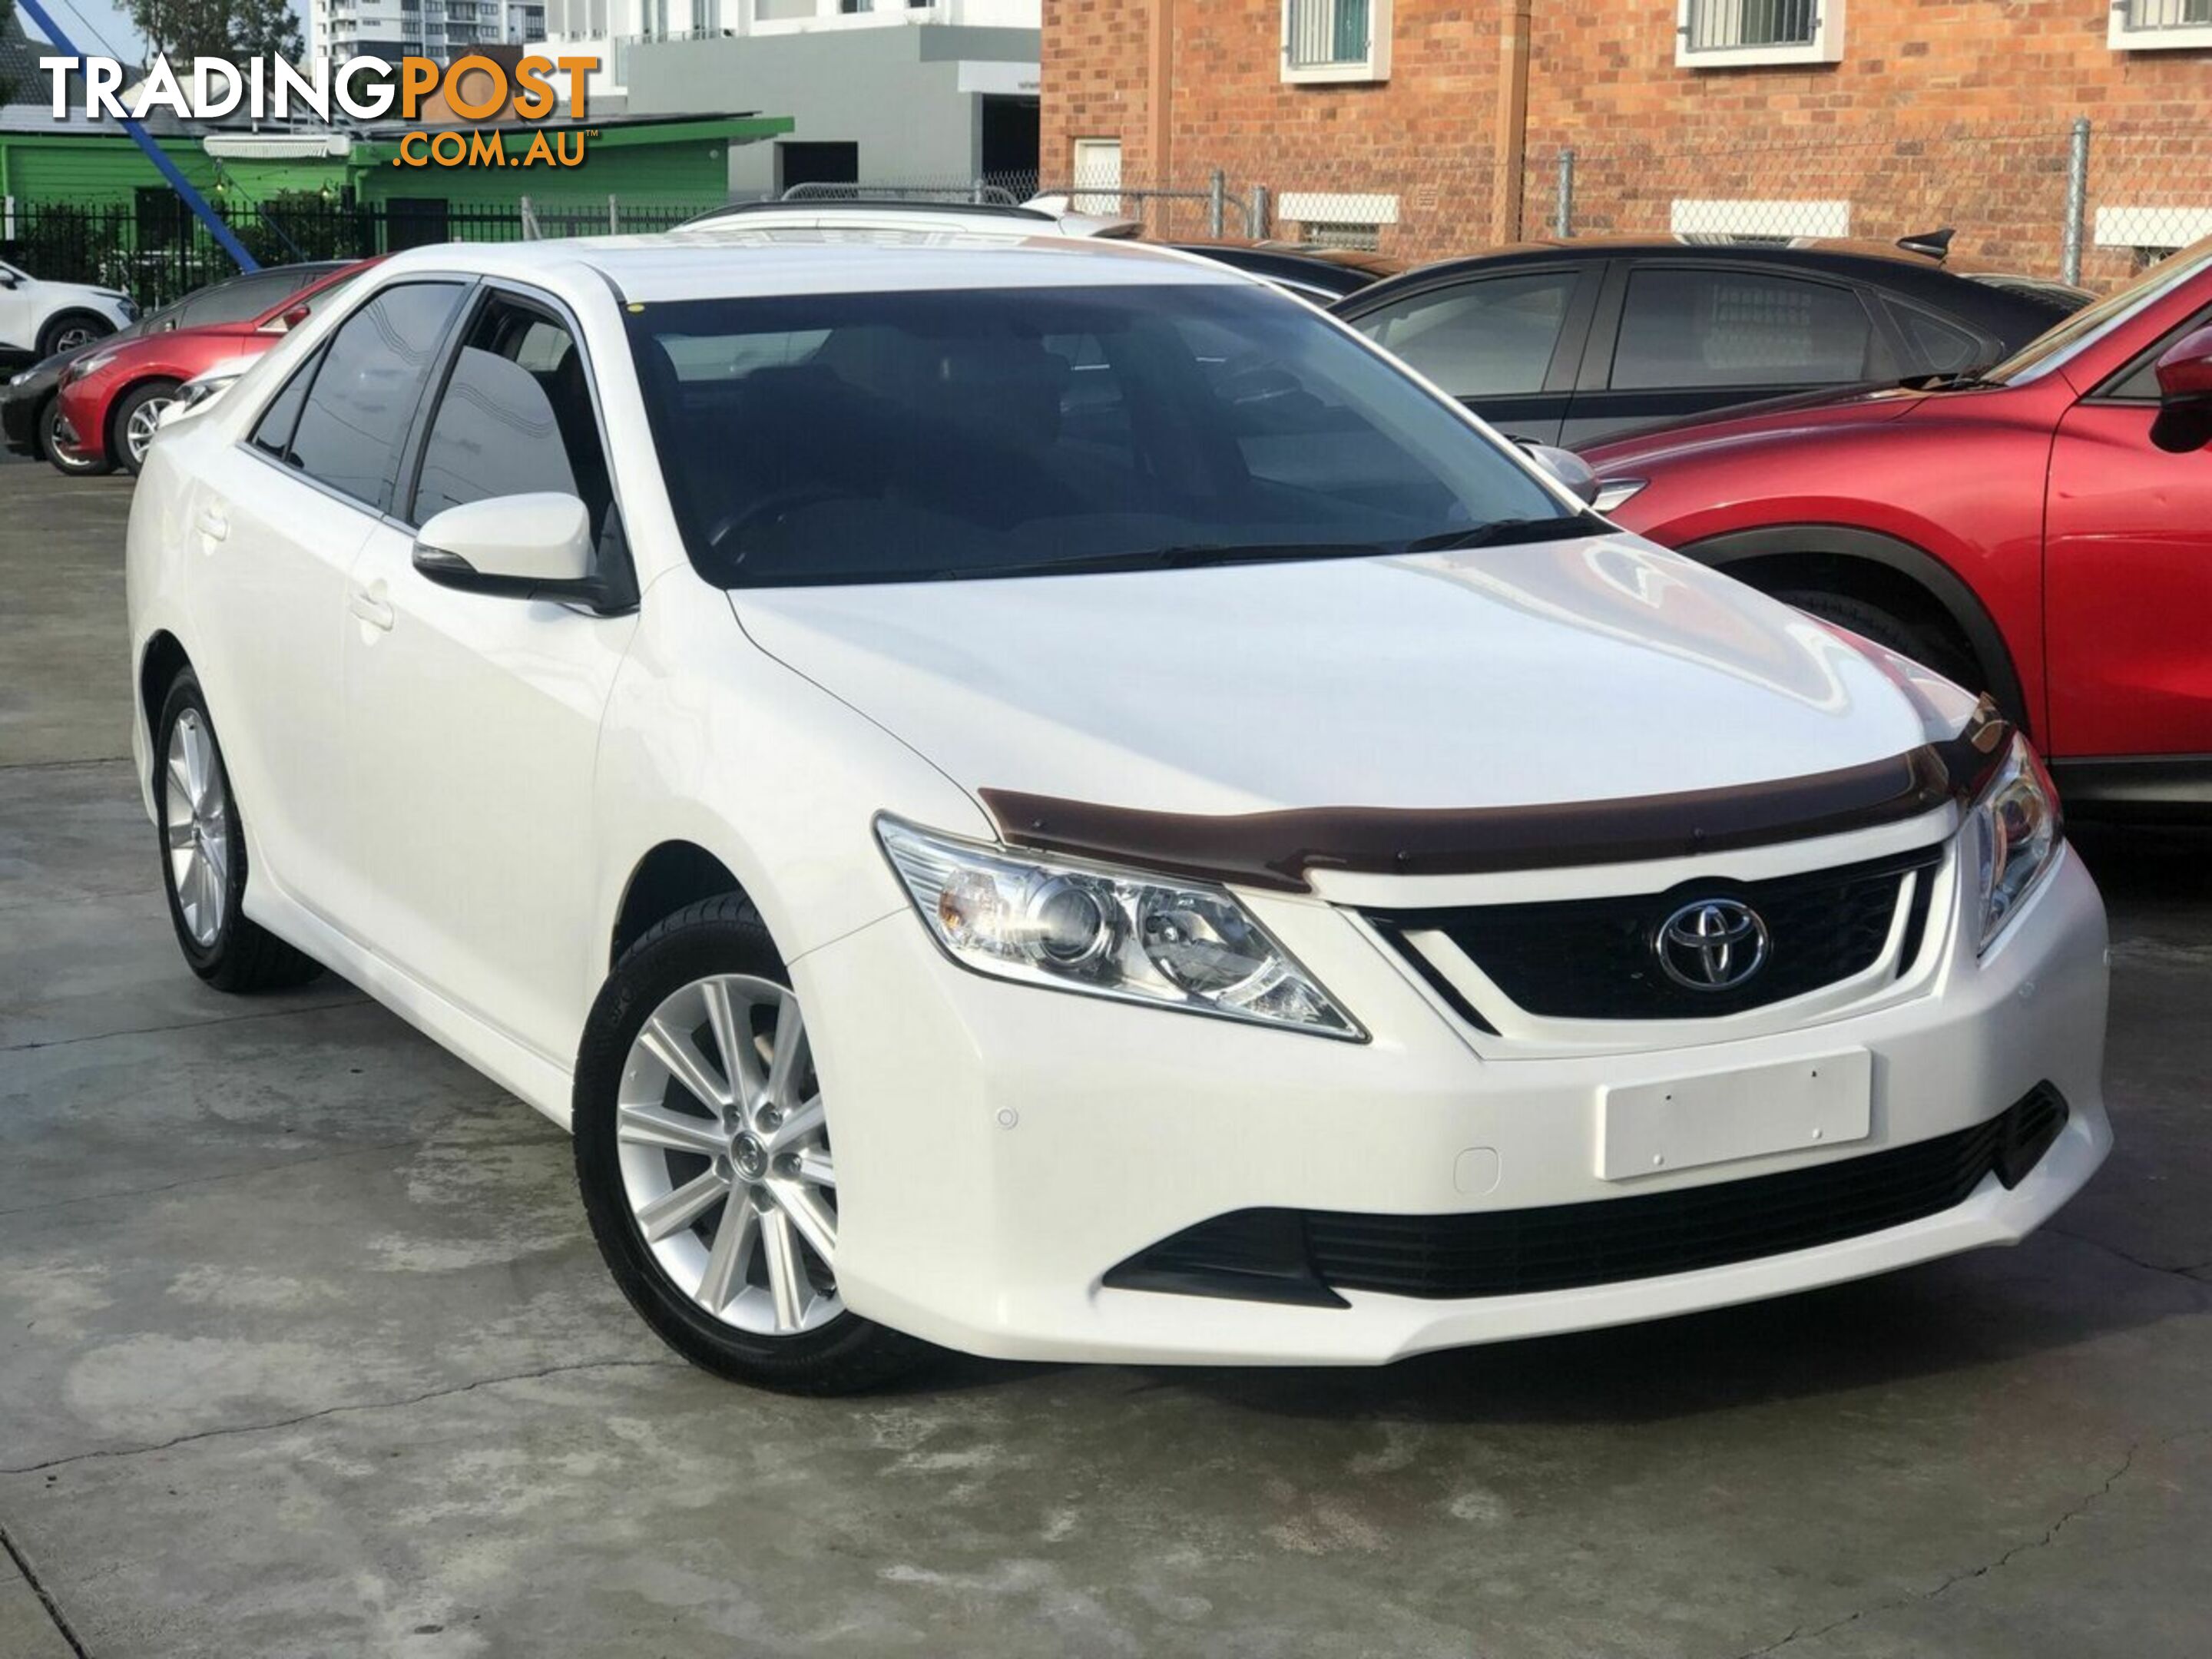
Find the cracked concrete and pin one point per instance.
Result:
(307, 1351)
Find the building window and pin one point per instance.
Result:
(2160, 25)
(1097, 178)
(1328, 40)
(1731, 33)
(1341, 219)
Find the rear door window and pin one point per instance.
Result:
(1691, 328)
(366, 392)
(1490, 337)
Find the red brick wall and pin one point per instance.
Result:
(1941, 111)
(1425, 136)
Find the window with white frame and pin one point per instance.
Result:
(1733, 33)
(1328, 40)
(2160, 25)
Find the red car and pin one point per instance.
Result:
(2042, 529)
(110, 400)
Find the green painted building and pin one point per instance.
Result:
(660, 161)
(85, 204)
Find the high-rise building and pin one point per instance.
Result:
(341, 29)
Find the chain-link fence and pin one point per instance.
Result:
(2068, 198)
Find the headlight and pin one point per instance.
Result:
(193, 393)
(2016, 830)
(85, 367)
(19, 377)
(1611, 492)
(1132, 935)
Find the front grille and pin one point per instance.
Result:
(1595, 959)
(1307, 1255)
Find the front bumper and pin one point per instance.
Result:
(18, 422)
(1001, 1148)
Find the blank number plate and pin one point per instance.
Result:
(1653, 1128)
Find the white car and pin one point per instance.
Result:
(38, 319)
(1238, 864)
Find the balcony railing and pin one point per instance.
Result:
(1318, 33)
(2150, 17)
(1732, 25)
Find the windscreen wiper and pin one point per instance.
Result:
(1192, 555)
(1957, 380)
(1502, 533)
(1189, 556)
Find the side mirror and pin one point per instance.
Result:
(521, 546)
(9, 279)
(1566, 468)
(2185, 393)
(287, 321)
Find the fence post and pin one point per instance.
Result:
(1255, 221)
(2077, 199)
(614, 223)
(1217, 199)
(529, 221)
(1563, 211)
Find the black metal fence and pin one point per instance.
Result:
(156, 252)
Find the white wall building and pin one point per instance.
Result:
(609, 29)
(340, 29)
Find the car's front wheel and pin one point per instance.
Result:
(138, 417)
(65, 459)
(702, 1150)
(203, 856)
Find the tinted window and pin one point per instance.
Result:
(905, 436)
(274, 433)
(1484, 338)
(1933, 346)
(1719, 328)
(515, 417)
(240, 299)
(2138, 383)
(364, 395)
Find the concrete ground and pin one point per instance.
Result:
(304, 1349)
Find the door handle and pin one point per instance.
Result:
(213, 525)
(370, 609)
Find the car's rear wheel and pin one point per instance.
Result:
(138, 417)
(65, 459)
(72, 329)
(702, 1151)
(203, 856)
(1947, 657)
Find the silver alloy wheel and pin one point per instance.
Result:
(76, 335)
(145, 421)
(195, 826)
(724, 1155)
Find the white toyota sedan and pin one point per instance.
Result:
(1044, 798)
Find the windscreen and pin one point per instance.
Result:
(2050, 348)
(887, 437)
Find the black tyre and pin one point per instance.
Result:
(1947, 656)
(132, 425)
(70, 330)
(203, 844)
(65, 459)
(702, 1153)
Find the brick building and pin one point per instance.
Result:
(1427, 126)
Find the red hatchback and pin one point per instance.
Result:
(2042, 529)
(110, 400)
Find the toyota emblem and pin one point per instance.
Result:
(1712, 944)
